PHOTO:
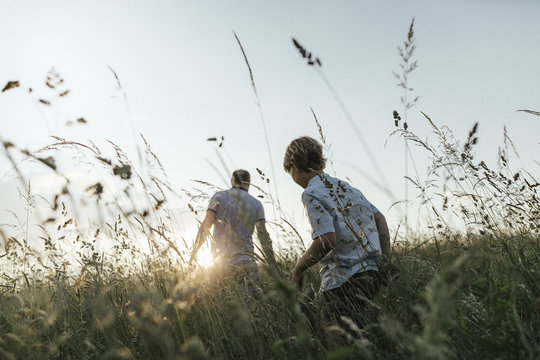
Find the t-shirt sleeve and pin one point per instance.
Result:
(260, 211)
(320, 219)
(214, 203)
(373, 208)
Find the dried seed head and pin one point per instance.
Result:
(11, 85)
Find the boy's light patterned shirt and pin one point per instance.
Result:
(335, 206)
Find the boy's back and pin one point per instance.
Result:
(335, 206)
(350, 236)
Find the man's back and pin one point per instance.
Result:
(236, 214)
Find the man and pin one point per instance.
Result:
(235, 214)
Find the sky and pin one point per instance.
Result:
(185, 80)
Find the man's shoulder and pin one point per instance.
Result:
(242, 195)
(221, 193)
(254, 200)
(221, 196)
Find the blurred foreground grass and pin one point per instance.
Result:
(470, 297)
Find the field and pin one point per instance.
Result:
(467, 297)
(466, 287)
(456, 294)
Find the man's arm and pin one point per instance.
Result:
(203, 233)
(266, 242)
(318, 250)
(384, 237)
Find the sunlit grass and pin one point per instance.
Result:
(205, 259)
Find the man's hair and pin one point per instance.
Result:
(304, 153)
(240, 177)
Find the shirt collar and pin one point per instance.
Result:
(239, 188)
(316, 179)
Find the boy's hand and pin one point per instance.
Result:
(298, 277)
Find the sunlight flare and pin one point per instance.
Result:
(205, 258)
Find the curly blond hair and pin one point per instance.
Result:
(304, 153)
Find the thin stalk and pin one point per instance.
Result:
(358, 134)
(258, 102)
(406, 163)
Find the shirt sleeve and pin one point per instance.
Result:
(320, 219)
(260, 211)
(373, 208)
(214, 203)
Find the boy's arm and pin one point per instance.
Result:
(266, 242)
(318, 250)
(384, 237)
(203, 233)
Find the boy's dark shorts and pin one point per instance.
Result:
(350, 298)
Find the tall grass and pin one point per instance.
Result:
(117, 286)
(407, 66)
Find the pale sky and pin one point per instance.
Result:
(186, 81)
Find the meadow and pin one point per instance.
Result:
(467, 286)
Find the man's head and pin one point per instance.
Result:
(241, 178)
(303, 159)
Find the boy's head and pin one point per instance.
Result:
(304, 154)
(241, 178)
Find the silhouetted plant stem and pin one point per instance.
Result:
(258, 102)
(358, 134)
(130, 117)
(407, 66)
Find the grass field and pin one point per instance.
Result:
(466, 287)
(468, 293)
(468, 297)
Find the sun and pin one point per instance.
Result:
(204, 257)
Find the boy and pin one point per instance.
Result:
(350, 236)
